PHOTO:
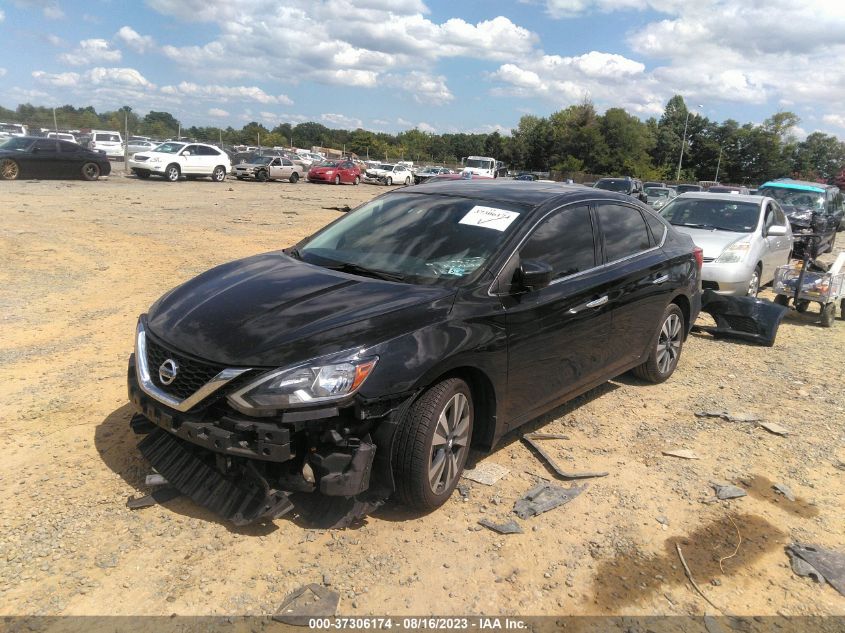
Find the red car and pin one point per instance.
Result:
(336, 171)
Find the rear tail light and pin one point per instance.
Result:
(698, 253)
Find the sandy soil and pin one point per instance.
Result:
(82, 260)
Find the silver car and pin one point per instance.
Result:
(744, 238)
(659, 197)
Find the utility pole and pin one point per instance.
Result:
(718, 164)
(683, 143)
(221, 136)
(125, 139)
(179, 133)
(55, 124)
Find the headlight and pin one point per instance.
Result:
(314, 382)
(734, 253)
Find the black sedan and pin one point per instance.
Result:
(32, 157)
(366, 360)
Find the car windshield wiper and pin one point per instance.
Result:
(293, 251)
(356, 269)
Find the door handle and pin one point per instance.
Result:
(590, 304)
(660, 280)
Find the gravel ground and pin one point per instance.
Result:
(84, 259)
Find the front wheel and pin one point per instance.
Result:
(337, 180)
(828, 314)
(666, 350)
(754, 283)
(219, 174)
(172, 173)
(407, 181)
(357, 181)
(9, 170)
(388, 181)
(294, 178)
(90, 171)
(261, 176)
(432, 444)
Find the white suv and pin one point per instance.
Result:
(109, 142)
(173, 160)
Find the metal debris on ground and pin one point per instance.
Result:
(745, 318)
(777, 429)
(305, 603)
(785, 490)
(710, 414)
(682, 453)
(463, 490)
(155, 480)
(487, 473)
(531, 440)
(819, 563)
(727, 491)
(544, 497)
(730, 417)
(547, 436)
(510, 527)
(162, 495)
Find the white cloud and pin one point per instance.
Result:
(217, 113)
(54, 40)
(225, 93)
(63, 80)
(836, 120)
(341, 121)
(134, 40)
(109, 77)
(2, 15)
(2, 72)
(422, 126)
(89, 52)
(423, 87)
(49, 8)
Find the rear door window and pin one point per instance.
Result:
(564, 241)
(625, 231)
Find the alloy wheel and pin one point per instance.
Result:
(754, 284)
(9, 170)
(669, 343)
(451, 439)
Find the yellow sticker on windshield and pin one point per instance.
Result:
(489, 218)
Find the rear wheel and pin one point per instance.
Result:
(294, 178)
(9, 169)
(337, 180)
(172, 173)
(432, 444)
(842, 309)
(828, 314)
(219, 174)
(666, 350)
(407, 181)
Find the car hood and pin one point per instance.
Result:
(712, 242)
(271, 310)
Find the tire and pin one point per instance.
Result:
(753, 288)
(388, 181)
(90, 171)
(828, 314)
(407, 181)
(261, 176)
(782, 300)
(142, 174)
(172, 173)
(239, 177)
(842, 309)
(219, 174)
(337, 180)
(357, 181)
(665, 347)
(801, 305)
(432, 443)
(9, 169)
(294, 178)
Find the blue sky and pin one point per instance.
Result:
(440, 66)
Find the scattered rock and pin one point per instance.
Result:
(785, 490)
(777, 429)
(727, 491)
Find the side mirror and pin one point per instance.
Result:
(776, 230)
(186, 153)
(533, 274)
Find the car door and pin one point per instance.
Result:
(71, 158)
(640, 278)
(43, 159)
(777, 247)
(557, 335)
(285, 168)
(190, 160)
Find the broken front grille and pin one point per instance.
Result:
(190, 376)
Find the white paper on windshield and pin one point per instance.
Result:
(489, 218)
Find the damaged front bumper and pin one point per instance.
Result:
(261, 461)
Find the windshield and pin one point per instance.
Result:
(433, 239)
(16, 143)
(721, 215)
(613, 185)
(170, 148)
(809, 200)
(479, 163)
(657, 192)
(686, 188)
(386, 167)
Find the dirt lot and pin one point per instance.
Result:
(82, 260)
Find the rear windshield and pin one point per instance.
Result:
(613, 185)
(660, 192)
(109, 138)
(720, 215)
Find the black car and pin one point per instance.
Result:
(363, 362)
(35, 157)
(627, 185)
(810, 207)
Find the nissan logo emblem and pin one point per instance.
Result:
(168, 370)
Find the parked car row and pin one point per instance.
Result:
(39, 157)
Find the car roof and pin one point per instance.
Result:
(519, 192)
(801, 185)
(735, 197)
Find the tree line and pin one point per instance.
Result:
(571, 142)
